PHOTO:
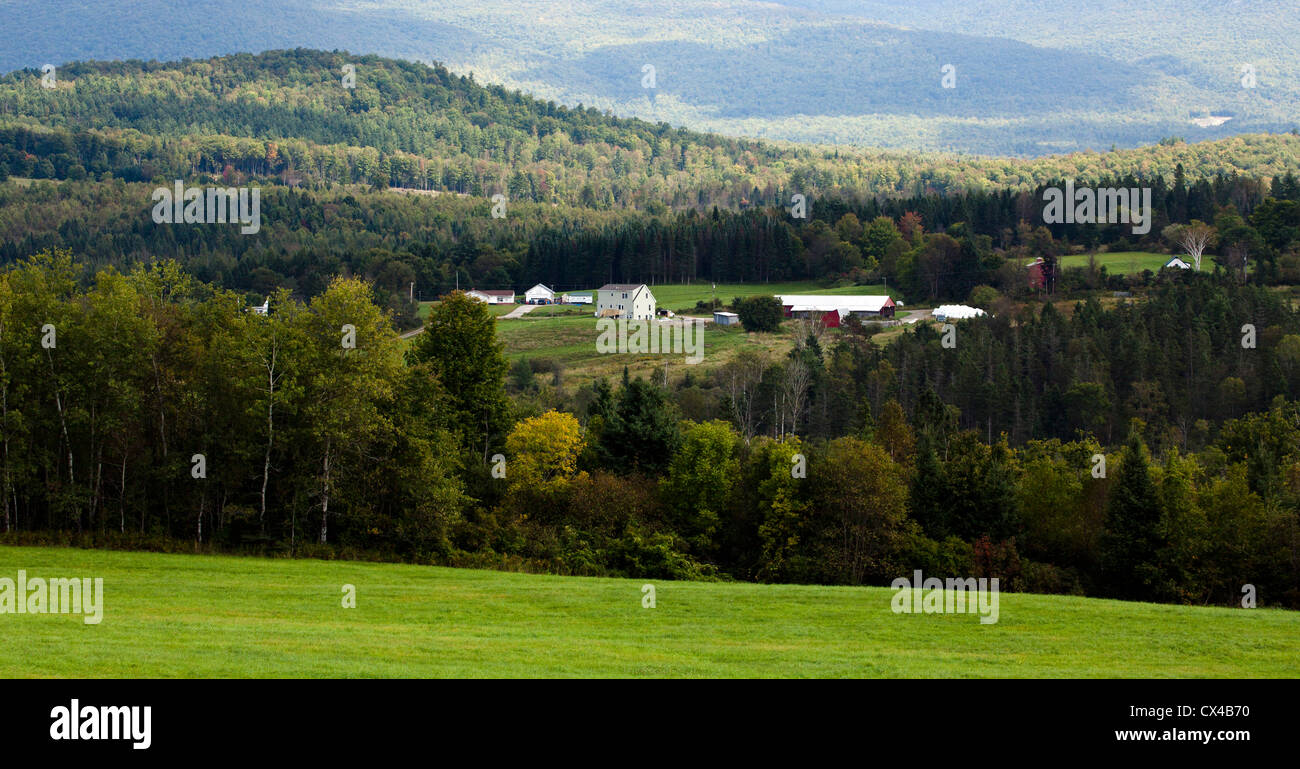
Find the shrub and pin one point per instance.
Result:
(983, 297)
(760, 313)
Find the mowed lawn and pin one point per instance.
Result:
(216, 616)
(568, 334)
(1129, 262)
(571, 342)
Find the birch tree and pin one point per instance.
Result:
(1192, 238)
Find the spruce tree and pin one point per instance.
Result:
(1131, 540)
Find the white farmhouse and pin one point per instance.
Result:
(1177, 263)
(492, 297)
(539, 294)
(632, 301)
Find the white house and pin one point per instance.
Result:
(632, 301)
(726, 318)
(262, 309)
(539, 294)
(578, 297)
(1177, 262)
(492, 297)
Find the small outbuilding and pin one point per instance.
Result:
(726, 318)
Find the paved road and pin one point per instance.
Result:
(520, 311)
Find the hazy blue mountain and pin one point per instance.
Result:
(1030, 77)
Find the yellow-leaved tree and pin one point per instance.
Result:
(542, 459)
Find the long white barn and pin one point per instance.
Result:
(832, 308)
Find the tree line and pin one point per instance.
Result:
(149, 409)
(924, 248)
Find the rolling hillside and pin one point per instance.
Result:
(1032, 78)
(289, 115)
(193, 616)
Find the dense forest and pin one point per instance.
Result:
(925, 248)
(1138, 452)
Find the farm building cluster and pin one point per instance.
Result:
(538, 294)
(636, 301)
(832, 310)
(630, 301)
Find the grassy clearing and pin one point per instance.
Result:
(1125, 262)
(567, 334)
(496, 309)
(571, 341)
(214, 616)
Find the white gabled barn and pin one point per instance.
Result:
(539, 294)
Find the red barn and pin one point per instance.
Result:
(1037, 280)
(832, 309)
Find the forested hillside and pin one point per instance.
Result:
(1031, 78)
(392, 179)
(288, 115)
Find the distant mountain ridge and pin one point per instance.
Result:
(1027, 78)
(290, 115)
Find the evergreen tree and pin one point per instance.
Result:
(460, 341)
(642, 433)
(1131, 542)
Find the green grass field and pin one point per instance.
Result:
(496, 309)
(567, 333)
(1128, 262)
(216, 616)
